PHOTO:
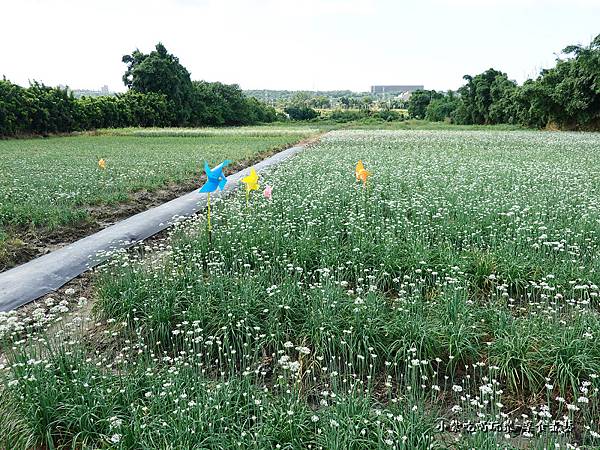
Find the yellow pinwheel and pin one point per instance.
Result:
(251, 182)
(361, 173)
(102, 164)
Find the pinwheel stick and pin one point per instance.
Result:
(208, 215)
(247, 197)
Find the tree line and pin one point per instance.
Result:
(161, 93)
(566, 96)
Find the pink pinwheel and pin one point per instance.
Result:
(267, 192)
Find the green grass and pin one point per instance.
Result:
(461, 284)
(49, 183)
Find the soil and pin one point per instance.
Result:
(27, 244)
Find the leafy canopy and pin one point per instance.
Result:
(160, 72)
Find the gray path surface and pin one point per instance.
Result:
(47, 273)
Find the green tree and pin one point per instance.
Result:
(14, 118)
(442, 108)
(301, 112)
(160, 72)
(418, 102)
(569, 93)
(300, 98)
(50, 109)
(147, 110)
(485, 98)
(345, 102)
(220, 104)
(320, 101)
(102, 112)
(365, 103)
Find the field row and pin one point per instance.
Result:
(456, 291)
(51, 187)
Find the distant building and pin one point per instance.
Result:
(92, 92)
(402, 91)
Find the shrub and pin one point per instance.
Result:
(343, 116)
(301, 112)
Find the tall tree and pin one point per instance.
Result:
(570, 91)
(418, 102)
(485, 98)
(162, 73)
(442, 108)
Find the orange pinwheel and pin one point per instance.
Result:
(361, 173)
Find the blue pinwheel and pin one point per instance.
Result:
(214, 178)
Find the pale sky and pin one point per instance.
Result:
(291, 44)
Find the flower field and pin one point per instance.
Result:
(450, 302)
(47, 185)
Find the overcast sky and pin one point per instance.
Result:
(291, 44)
